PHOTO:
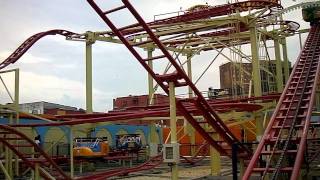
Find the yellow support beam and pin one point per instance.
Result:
(173, 128)
(255, 62)
(71, 152)
(279, 74)
(150, 79)
(188, 129)
(259, 126)
(151, 100)
(215, 160)
(36, 172)
(16, 105)
(6, 163)
(10, 153)
(285, 59)
(89, 41)
(5, 172)
(318, 97)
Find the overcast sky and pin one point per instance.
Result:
(53, 69)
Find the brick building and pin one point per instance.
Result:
(121, 103)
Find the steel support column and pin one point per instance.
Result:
(242, 167)
(5, 172)
(71, 151)
(151, 99)
(89, 42)
(286, 65)
(256, 74)
(300, 41)
(16, 90)
(279, 74)
(189, 69)
(10, 153)
(255, 62)
(36, 172)
(153, 134)
(259, 126)
(6, 163)
(34, 134)
(150, 79)
(318, 97)
(173, 127)
(187, 127)
(215, 160)
(16, 106)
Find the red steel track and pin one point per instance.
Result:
(198, 104)
(127, 115)
(190, 16)
(23, 48)
(9, 136)
(200, 154)
(205, 13)
(286, 135)
(179, 78)
(150, 164)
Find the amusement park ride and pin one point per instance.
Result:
(288, 142)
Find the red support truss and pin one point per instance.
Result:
(179, 77)
(284, 141)
(9, 137)
(23, 48)
(150, 164)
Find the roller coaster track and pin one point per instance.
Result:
(219, 10)
(23, 48)
(150, 164)
(284, 141)
(129, 115)
(179, 78)
(295, 7)
(200, 154)
(201, 14)
(205, 13)
(10, 136)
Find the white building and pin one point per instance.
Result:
(42, 106)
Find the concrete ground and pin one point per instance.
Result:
(186, 172)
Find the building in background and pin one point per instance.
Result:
(43, 107)
(122, 103)
(236, 77)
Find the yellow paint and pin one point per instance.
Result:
(71, 151)
(255, 62)
(259, 126)
(36, 172)
(90, 40)
(215, 160)
(173, 127)
(279, 74)
(154, 138)
(122, 131)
